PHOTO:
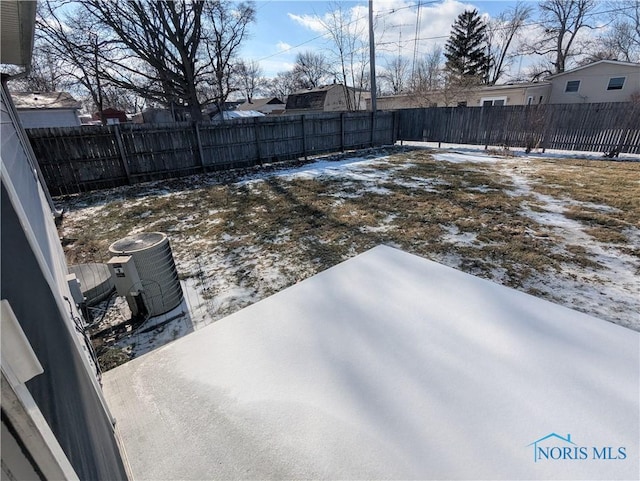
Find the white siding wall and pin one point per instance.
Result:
(593, 84)
(48, 118)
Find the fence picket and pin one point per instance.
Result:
(77, 159)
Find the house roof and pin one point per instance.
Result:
(312, 99)
(238, 114)
(387, 366)
(258, 103)
(45, 100)
(599, 62)
(17, 26)
(512, 86)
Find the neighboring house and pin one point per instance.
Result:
(55, 421)
(271, 105)
(154, 115)
(328, 98)
(237, 114)
(47, 109)
(87, 119)
(212, 109)
(603, 81)
(510, 94)
(112, 116)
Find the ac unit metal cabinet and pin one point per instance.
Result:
(127, 280)
(151, 253)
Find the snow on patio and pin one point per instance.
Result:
(386, 366)
(269, 229)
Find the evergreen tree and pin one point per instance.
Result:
(467, 61)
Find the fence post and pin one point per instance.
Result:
(341, 131)
(546, 132)
(199, 143)
(394, 126)
(256, 129)
(373, 127)
(489, 127)
(304, 138)
(123, 156)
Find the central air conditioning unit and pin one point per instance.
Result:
(127, 281)
(144, 273)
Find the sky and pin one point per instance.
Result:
(285, 28)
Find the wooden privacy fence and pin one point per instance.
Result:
(78, 159)
(589, 127)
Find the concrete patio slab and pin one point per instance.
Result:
(387, 366)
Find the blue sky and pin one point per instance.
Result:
(282, 25)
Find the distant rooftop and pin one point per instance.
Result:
(257, 103)
(45, 100)
(237, 114)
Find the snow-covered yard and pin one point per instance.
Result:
(564, 229)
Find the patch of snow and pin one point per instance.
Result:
(384, 226)
(461, 157)
(420, 183)
(220, 281)
(454, 236)
(520, 152)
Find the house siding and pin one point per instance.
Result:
(37, 118)
(512, 94)
(593, 84)
(33, 281)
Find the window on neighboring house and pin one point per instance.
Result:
(462, 104)
(572, 86)
(616, 83)
(529, 100)
(489, 101)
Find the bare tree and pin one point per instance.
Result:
(561, 21)
(395, 74)
(79, 45)
(283, 84)
(249, 75)
(310, 69)
(159, 44)
(350, 49)
(622, 39)
(227, 24)
(47, 74)
(501, 32)
(428, 74)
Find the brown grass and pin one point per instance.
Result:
(303, 226)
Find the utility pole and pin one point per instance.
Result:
(372, 59)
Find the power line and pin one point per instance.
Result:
(416, 40)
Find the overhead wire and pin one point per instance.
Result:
(416, 39)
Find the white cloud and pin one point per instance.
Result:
(272, 67)
(282, 46)
(312, 22)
